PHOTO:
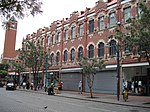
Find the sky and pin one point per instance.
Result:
(52, 10)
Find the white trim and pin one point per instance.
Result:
(71, 70)
(129, 65)
(112, 6)
(80, 19)
(91, 15)
(125, 1)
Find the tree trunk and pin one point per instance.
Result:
(91, 93)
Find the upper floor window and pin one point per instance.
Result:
(91, 26)
(48, 40)
(72, 55)
(127, 14)
(65, 56)
(66, 34)
(52, 59)
(80, 52)
(81, 30)
(112, 50)
(57, 58)
(112, 19)
(91, 51)
(101, 49)
(53, 39)
(59, 37)
(101, 24)
(73, 32)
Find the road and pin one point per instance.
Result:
(21, 101)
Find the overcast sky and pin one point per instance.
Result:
(52, 10)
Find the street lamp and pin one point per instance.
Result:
(118, 73)
(117, 68)
(46, 74)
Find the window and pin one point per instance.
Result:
(52, 58)
(73, 32)
(81, 30)
(101, 49)
(112, 20)
(65, 56)
(57, 58)
(91, 51)
(72, 55)
(127, 14)
(53, 39)
(101, 23)
(91, 26)
(112, 50)
(59, 37)
(48, 40)
(66, 34)
(80, 52)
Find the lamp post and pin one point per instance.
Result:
(117, 69)
(46, 68)
(118, 73)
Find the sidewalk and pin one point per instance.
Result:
(135, 101)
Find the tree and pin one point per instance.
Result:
(138, 36)
(18, 68)
(90, 67)
(19, 8)
(3, 73)
(32, 57)
(3, 70)
(4, 66)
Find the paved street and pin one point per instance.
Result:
(22, 101)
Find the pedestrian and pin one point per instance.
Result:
(32, 85)
(28, 85)
(80, 87)
(24, 85)
(60, 85)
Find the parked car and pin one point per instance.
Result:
(10, 85)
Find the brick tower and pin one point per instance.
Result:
(9, 52)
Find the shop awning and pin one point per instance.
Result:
(12, 73)
(71, 70)
(129, 65)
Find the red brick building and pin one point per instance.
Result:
(10, 40)
(85, 34)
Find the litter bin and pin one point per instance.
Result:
(50, 91)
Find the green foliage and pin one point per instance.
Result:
(33, 58)
(19, 8)
(4, 66)
(18, 67)
(138, 36)
(3, 73)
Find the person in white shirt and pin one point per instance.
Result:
(80, 87)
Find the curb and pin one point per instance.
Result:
(100, 101)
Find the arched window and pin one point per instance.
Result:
(101, 49)
(80, 52)
(57, 58)
(52, 58)
(112, 50)
(72, 55)
(91, 51)
(65, 56)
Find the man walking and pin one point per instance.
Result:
(80, 87)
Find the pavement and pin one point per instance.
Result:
(134, 101)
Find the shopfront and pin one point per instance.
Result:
(136, 79)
